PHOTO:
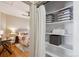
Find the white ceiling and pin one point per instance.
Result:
(15, 8)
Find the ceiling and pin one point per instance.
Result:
(15, 8)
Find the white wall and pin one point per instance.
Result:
(15, 22)
(2, 21)
(33, 29)
(76, 28)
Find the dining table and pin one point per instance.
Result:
(6, 46)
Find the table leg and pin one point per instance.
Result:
(2, 51)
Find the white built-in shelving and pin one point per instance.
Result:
(60, 22)
(65, 50)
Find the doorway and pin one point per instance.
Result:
(15, 29)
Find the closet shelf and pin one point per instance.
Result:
(61, 47)
(66, 21)
(55, 55)
(57, 51)
(51, 54)
(58, 34)
(60, 9)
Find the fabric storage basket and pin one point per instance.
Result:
(55, 39)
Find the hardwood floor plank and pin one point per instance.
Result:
(16, 52)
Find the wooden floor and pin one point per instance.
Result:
(15, 52)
